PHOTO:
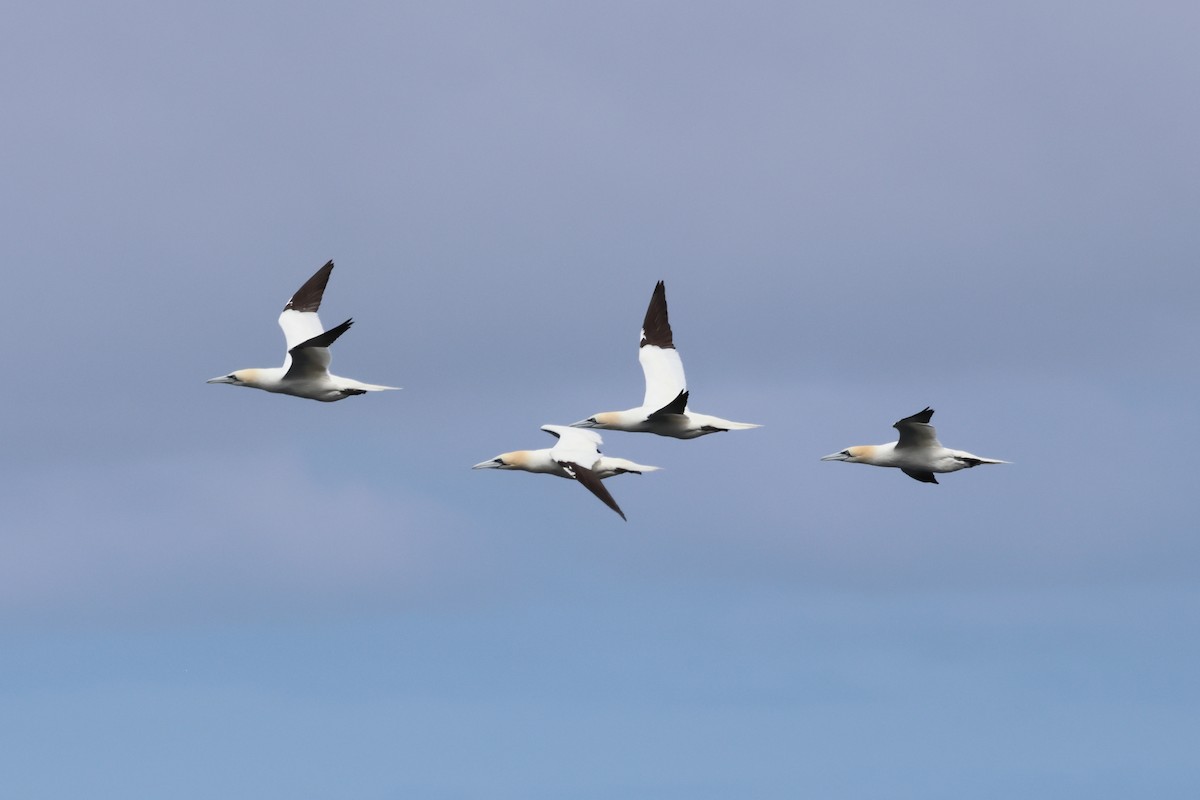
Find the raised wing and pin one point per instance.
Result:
(308, 297)
(660, 361)
(299, 319)
(916, 432)
(664, 376)
(656, 327)
(311, 357)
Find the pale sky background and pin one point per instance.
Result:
(859, 209)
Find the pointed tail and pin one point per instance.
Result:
(348, 383)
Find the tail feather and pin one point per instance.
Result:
(975, 461)
(367, 387)
(718, 425)
(608, 466)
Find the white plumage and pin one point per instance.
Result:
(664, 409)
(917, 453)
(305, 371)
(575, 456)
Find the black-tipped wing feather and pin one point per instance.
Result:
(308, 297)
(311, 357)
(915, 431)
(920, 416)
(325, 339)
(923, 477)
(593, 484)
(656, 330)
(676, 406)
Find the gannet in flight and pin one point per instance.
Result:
(577, 455)
(305, 370)
(664, 409)
(918, 454)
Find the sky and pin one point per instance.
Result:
(859, 209)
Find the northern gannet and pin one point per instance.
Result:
(577, 456)
(305, 370)
(664, 409)
(918, 454)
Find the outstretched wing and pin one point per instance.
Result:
(311, 358)
(916, 432)
(661, 365)
(592, 483)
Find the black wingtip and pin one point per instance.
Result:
(656, 327)
(308, 297)
(922, 416)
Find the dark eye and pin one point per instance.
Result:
(845, 452)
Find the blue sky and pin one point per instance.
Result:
(858, 211)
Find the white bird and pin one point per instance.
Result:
(577, 456)
(305, 370)
(918, 453)
(664, 410)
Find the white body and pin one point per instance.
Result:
(688, 425)
(305, 371)
(576, 456)
(917, 452)
(664, 409)
(313, 384)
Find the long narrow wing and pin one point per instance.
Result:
(660, 361)
(916, 432)
(299, 319)
(592, 483)
(311, 358)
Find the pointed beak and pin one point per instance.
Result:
(494, 463)
(583, 423)
(835, 457)
(221, 379)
